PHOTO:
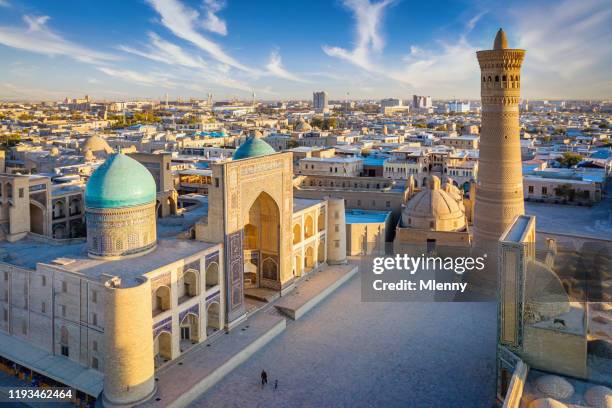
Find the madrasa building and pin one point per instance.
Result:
(102, 314)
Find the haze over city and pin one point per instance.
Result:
(354, 49)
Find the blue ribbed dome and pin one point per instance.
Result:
(253, 147)
(120, 182)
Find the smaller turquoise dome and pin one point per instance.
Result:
(120, 182)
(253, 147)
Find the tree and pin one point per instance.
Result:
(9, 140)
(565, 190)
(316, 122)
(292, 144)
(330, 123)
(569, 159)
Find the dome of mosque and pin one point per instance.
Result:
(599, 397)
(451, 189)
(253, 147)
(96, 144)
(120, 182)
(545, 296)
(434, 209)
(555, 387)
(303, 126)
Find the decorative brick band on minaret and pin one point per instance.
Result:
(499, 191)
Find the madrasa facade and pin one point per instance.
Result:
(103, 315)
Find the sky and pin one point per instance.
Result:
(360, 49)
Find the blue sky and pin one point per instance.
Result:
(280, 50)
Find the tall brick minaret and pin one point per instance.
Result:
(499, 191)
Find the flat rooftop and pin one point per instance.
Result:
(366, 216)
(27, 253)
(301, 203)
(335, 159)
(517, 230)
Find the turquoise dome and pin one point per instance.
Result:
(253, 147)
(120, 182)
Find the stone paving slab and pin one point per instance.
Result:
(191, 374)
(309, 292)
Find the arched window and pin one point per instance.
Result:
(321, 221)
(270, 269)
(190, 283)
(162, 299)
(308, 226)
(297, 234)
(496, 78)
(75, 207)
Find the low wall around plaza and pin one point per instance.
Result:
(557, 352)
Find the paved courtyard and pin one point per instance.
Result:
(345, 353)
(593, 221)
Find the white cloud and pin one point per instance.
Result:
(4, 3)
(568, 52)
(151, 79)
(368, 17)
(198, 71)
(212, 22)
(446, 67)
(164, 51)
(474, 20)
(38, 38)
(275, 67)
(182, 22)
(573, 36)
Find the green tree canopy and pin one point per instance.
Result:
(569, 159)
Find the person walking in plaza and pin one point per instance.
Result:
(264, 378)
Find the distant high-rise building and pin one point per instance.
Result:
(390, 102)
(499, 192)
(392, 106)
(421, 102)
(319, 101)
(459, 107)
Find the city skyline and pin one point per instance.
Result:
(366, 49)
